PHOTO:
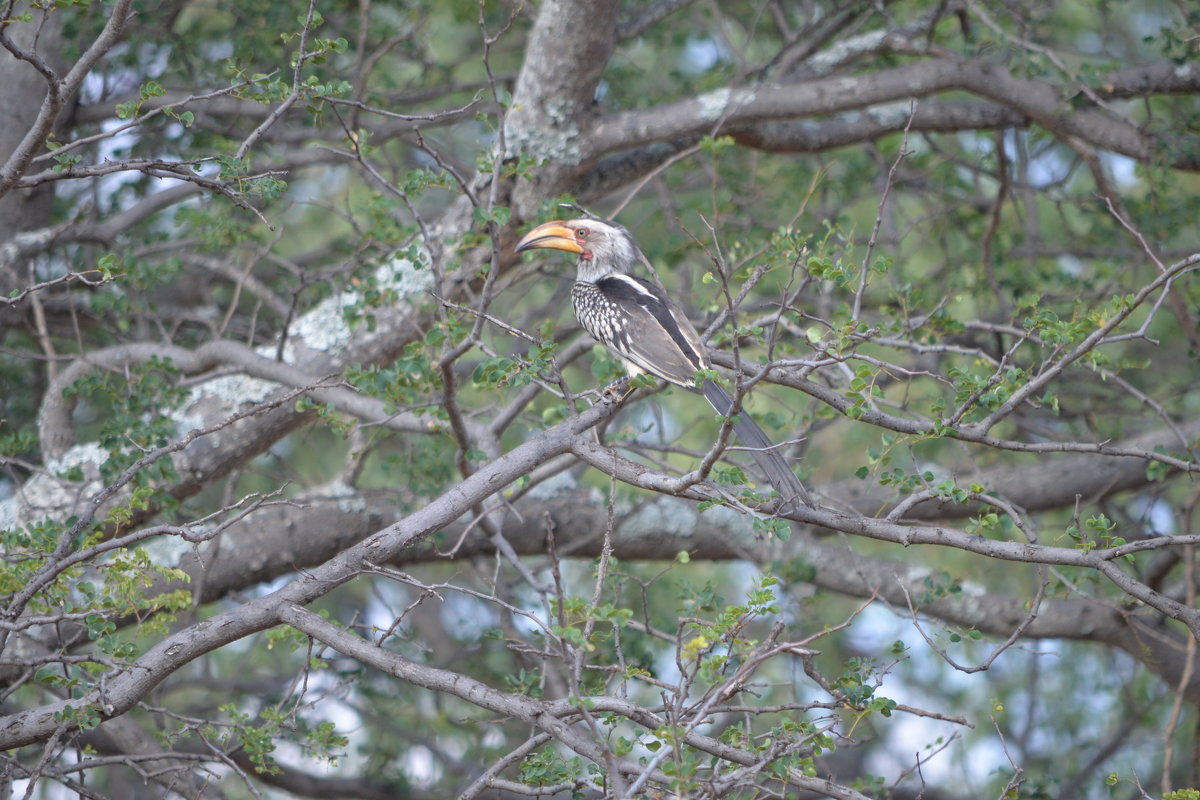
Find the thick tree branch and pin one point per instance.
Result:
(122, 690)
(1105, 561)
(731, 108)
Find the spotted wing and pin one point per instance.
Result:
(635, 320)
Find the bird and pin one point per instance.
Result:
(640, 324)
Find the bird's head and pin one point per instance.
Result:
(603, 247)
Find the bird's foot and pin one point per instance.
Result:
(617, 391)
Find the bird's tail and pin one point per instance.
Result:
(765, 453)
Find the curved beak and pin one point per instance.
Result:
(553, 235)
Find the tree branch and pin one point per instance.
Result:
(730, 108)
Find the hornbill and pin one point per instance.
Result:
(645, 329)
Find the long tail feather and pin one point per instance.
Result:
(764, 451)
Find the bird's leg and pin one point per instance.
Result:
(617, 391)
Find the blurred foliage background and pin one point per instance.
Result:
(262, 309)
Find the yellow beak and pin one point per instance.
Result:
(553, 235)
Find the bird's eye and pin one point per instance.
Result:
(581, 233)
